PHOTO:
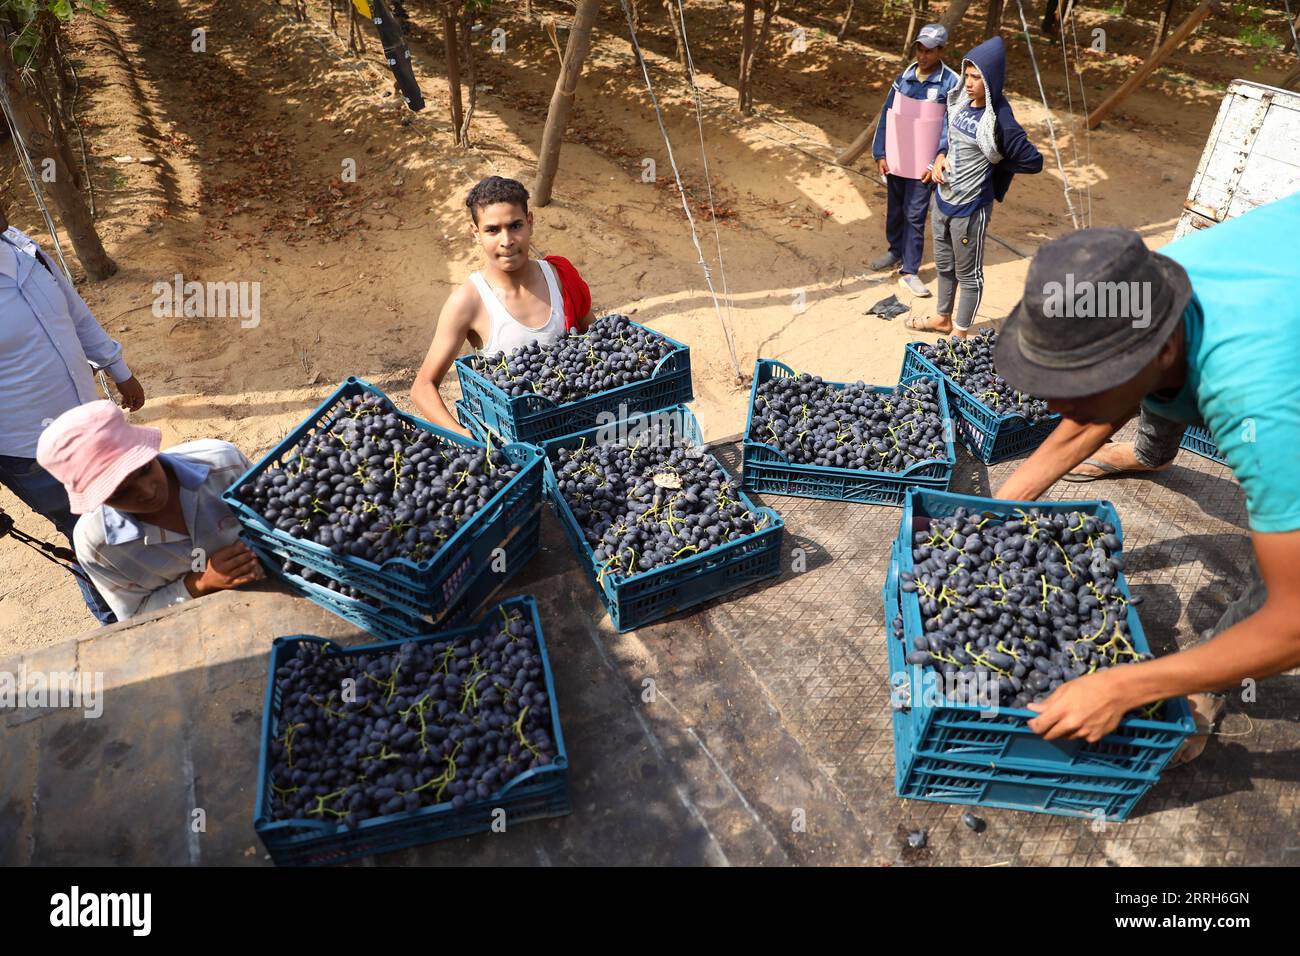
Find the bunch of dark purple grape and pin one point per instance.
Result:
(969, 362)
(813, 423)
(1027, 603)
(424, 724)
(611, 353)
(375, 486)
(643, 507)
(325, 581)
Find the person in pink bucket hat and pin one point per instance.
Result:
(153, 529)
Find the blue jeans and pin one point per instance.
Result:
(45, 495)
(1158, 438)
(905, 212)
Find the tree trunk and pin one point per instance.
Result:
(566, 85)
(859, 145)
(746, 53)
(66, 82)
(909, 41)
(952, 16)
(678, 39)
(451, 46)
(993, 21)
(1291, 35)
(844, 24)
(755, 49)
(1185, 30)
(46, 99)
(68, 200)
(467, 39)
(356, 36)
(1163, 29)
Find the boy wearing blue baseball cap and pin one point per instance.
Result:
(929, 80)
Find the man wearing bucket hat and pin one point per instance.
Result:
(153, 529)
(927, 79)
(1206, 333)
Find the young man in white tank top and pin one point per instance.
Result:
(514, 299)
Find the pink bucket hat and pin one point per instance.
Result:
(92, 449)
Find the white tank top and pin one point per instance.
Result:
(508, 333)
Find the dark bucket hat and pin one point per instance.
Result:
(1098, 306)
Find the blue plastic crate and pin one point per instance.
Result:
(1198, 440)
(393, 624)
(532, 418)
(766, 470)
(1074, 795)
(990, 437)
(957, 741)
(476, 427)
(540, 792)
(647, 596)
(427, 587)
(382, 621)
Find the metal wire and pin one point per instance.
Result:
(25, 161)
(72, 117)
(1069, 95)
(1083, 93)
(704, 157)
(681, 189)
(1051, 128)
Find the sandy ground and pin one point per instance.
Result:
(252, 137)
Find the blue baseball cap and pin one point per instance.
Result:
(932, 35)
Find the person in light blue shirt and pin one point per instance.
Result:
(1205, 332)
(48, 343)
(153, 530)
(138, 564)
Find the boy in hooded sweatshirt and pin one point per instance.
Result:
(925, 78)
(986, 148)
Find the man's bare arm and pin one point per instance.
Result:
(454, 324)
(584, 322)
(1264, 644)
(1069, 444)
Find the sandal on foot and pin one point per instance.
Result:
(918, 324)
(1107, 470)
(1206, 711)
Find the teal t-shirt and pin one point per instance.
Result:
(1243, 354)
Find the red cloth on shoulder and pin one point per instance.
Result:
(573, 289)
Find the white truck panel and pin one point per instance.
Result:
(1252, 156)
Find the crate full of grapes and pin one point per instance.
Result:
(387, 504)
(841, 441)
(615, 369)
(994, 421)
(656, 521)
(391, 623)
(991, 606)
(373, 749)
